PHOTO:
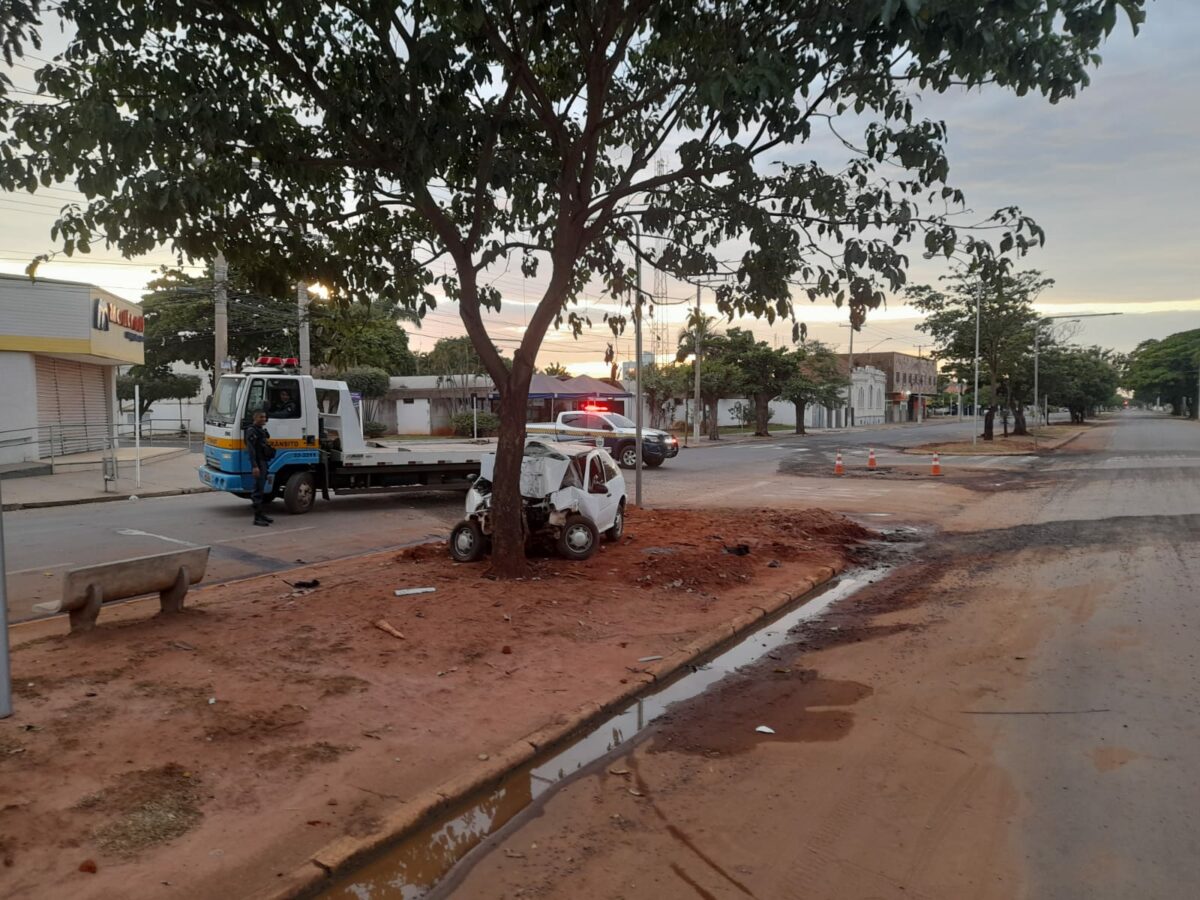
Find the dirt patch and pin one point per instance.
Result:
(312, 703)
(1038, 440)
(1107, 759)
(796, 704)
(145, 808)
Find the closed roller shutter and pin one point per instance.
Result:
(73, 398)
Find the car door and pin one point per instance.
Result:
(570, 426)
(601, 499)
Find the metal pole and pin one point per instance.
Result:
(850, 385)
(637, 374)
(1037, 331)
(302, 312)
(220, 315)
(137, 436)
(474, 417)
(697, 329)
(975, 396)
(5, 668)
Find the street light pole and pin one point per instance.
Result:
(5, 669)
(637, 370)
(696, 332)
(975, 396)
(850, 383)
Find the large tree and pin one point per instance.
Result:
(399, 145)
(154, 384)
(1167, 371)
(816, 379)
(1080, 378)
(1006, 326)
(765, 370)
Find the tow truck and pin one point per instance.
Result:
(596, 424)
(316, 430)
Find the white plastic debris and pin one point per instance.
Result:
(649, 658)
(212, 701)
(408, 592)
(765, 729)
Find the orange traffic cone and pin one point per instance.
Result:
(871, 460)
(937, 465)
(838, 468)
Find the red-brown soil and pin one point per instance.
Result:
(203, 755)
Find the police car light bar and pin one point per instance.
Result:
(285, 362)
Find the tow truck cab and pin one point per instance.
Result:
(306, 415)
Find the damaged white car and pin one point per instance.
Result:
(572, 493)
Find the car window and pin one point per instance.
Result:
(610, 468)
(596, 423)
(255, 399)
(596, 473)
(283, 398)
(573, 420)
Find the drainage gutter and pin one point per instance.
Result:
(346, 853)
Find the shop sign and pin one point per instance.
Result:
(105, 314)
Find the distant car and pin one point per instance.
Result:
(571, 493)
(614, 430)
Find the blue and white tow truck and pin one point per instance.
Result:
(316, 431)
(612, 430)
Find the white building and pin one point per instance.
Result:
(424, 404)
(61, 343)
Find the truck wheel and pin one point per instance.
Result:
(618, 525)
(300, 493)
(578, 539)
(653, 462)
(627, 456)
(467, 543)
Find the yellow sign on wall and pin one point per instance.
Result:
(118, 328)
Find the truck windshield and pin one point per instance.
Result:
(223, 409)
(620, 421)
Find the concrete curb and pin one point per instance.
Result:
(309, 879)
(111, 498)
(1053, 444)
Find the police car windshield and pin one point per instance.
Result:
(223, 409)
(620, 421)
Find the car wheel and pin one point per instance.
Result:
(300, 493)
(618, 525)
(654, 462)
(467, 543)
(627, 456)
(578, 539)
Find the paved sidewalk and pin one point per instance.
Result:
(160, 478)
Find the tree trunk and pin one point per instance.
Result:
(714, 419)
(800, 407)
(508, 516)
(1019, 426)
(989, 424)
(762, 410)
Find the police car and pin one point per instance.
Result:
(612, 430)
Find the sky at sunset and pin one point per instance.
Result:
(1113, 176)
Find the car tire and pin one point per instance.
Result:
(618, 525)
(578, 538)
(467, 542)
(300, 493)
(654, 462)
(627, 456)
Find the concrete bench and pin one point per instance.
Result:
(86, 589)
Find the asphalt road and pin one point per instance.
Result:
(42, 543)
(1021, 723)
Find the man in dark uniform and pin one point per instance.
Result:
(285, 407)
(258, 445)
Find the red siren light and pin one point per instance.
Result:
(595, 407)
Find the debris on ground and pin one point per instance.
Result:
(408, 592)
(385, 626)
(765, 729)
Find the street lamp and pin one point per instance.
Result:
(1037, 331)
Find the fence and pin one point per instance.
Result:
(68, 438)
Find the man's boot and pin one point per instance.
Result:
(260, 519)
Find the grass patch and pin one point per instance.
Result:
(145, 808)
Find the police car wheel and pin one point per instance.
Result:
(627, 456)
(467, 543)
(618, 525)
(654, 462)
(578, 539)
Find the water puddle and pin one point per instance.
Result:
(413, 867)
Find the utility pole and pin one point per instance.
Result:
(220, 315)
(697, 330)
(637, 374)
(302, 312)
(975, 396)
(850, 383)
(5, 669)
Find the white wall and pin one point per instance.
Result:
(413, 417)
(166, 414)
(18, 407)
